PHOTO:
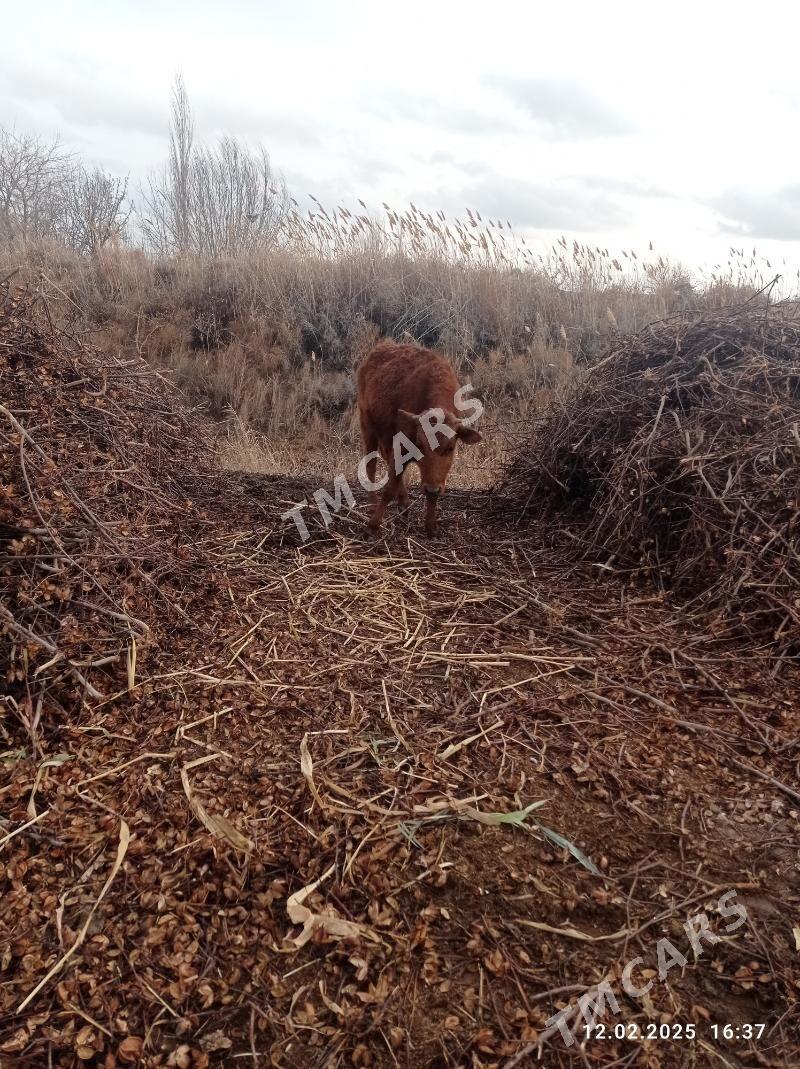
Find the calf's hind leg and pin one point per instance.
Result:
(369, 441)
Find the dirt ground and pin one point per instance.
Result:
(349, 706)
(359, 802)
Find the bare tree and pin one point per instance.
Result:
(181, 141)
(237, 202)
(211, 200)
(45, 193)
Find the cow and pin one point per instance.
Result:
(411, 409)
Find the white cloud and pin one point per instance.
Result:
(754, 213)
(563, 110)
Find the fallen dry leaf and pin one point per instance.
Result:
(215, 1042)
(219, 826)
(327, 922)
(130, 1050)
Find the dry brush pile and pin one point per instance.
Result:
(88, 510)
(679, 457)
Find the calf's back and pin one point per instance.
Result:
(393, 377)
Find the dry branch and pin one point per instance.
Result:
(677, 460)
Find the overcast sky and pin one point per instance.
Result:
(618, 123)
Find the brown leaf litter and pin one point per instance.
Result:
(331, 758)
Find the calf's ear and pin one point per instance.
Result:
(468, 436)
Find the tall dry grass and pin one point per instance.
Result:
(267, 341)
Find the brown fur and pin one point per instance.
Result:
(396, 384)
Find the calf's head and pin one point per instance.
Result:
(435, 433)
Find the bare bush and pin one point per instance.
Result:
(95, 210)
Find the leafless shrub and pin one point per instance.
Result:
(95, 209)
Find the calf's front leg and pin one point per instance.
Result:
(402, 492)
(431, 523)
(384, 497)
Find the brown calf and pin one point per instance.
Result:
(411, 407)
